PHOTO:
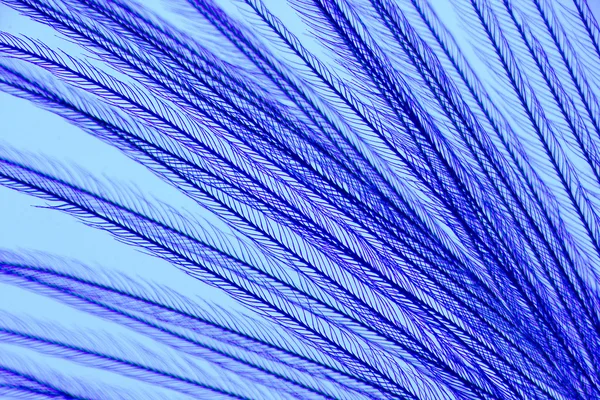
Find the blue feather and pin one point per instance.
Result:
(398, 226)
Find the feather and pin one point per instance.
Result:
(396, 225)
